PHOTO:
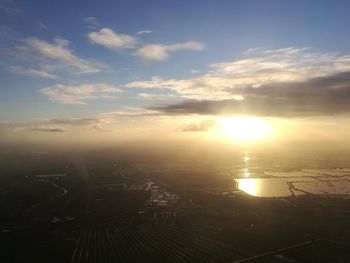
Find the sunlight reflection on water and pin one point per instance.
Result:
(245, 171)
(264, 187)
(260, 178)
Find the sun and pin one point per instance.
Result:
(244, 128)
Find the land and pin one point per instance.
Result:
(107, 207)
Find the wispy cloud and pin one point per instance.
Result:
(43, 128)
(58, 125)
(56, 55)
(203, 87)
(199, 126)
(80, 94)
(53, 57)
(96, 123)
(41, 25)
(159, 52)
(91, 22)
(130, 113)
(112, 40)
(10, 7)
(152, 96)
(143, 32)
(31, 72)
(87, 121)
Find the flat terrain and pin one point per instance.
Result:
(106, 208)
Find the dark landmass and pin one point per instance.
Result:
(106, 207)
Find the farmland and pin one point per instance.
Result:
(102, 208)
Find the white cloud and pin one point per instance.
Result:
(258, 67)
(31, 72)
(204, 87)
(112, 40)
(79, 94)
(142, 32)
(160, 52)
(41, 25)
(190, 45)
(153, 52)
(91, 22)
(56, 56)
(150, 96)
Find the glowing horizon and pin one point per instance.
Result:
(244, 128)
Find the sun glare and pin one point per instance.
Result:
(250, 186)
(244, 128)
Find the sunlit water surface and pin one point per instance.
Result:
(263, 176)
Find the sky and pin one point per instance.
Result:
(131, 69)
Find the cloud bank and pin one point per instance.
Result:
(284, 83)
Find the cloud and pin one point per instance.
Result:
(203, 87)
(150, 96)
(142, 32)
(75, 121)
(112, 40)
(9, 40)
(79, 94)
(99, 128)
(47, 129)
(40, 126)
(91, 22)
(41, 25)
(159, 52)
(96, 123)
(226, 80)
(10, 7)
(320, 96)
(31, 72)
(55, 56)
(58, 125)
(199, 126)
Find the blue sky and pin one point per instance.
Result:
(77, 59)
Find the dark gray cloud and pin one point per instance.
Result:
(56, 125)
(99, 128)
(75, 121)
(314, 97)
(47, 129)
